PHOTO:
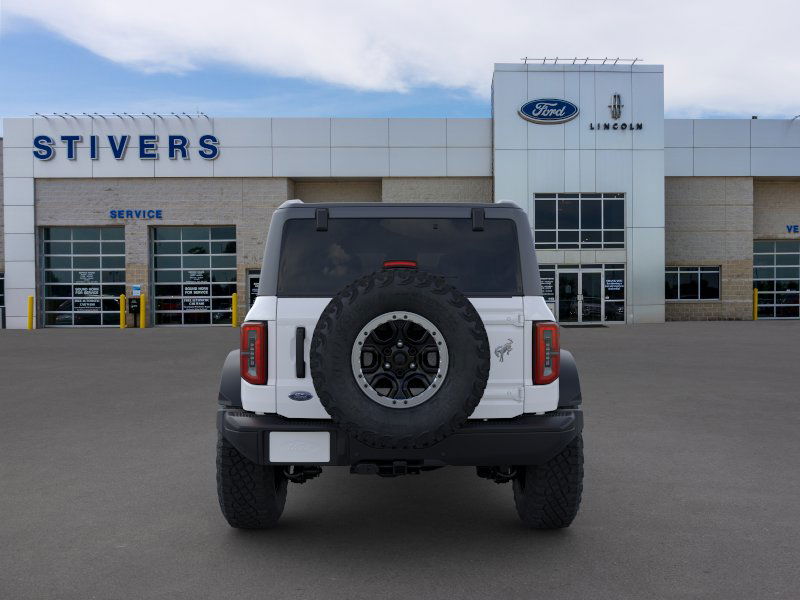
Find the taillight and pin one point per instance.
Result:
(399, 264)
(253, 353)
(546, 353)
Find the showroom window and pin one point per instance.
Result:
(776, 275)
(83, 275)
(194, 275)
(692, 283)
(586, 293)
(579, 221)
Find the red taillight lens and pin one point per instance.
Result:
(546, 353)
(253, 353)
(399, 264)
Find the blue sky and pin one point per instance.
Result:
(44, 73)
(362, 58)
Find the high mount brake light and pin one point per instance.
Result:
(399, 264)
(546, 352)
(253, 353)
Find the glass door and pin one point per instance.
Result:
(568, 297)
(580, 298)
(590, 297)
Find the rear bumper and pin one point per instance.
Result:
(524, 440)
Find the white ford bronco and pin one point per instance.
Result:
(395, 339)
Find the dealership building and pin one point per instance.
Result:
(636, 218)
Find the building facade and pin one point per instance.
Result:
(636, 218)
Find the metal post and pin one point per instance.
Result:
(30, 312)
(234, 309)
(122, 324)
(142, 311)
(755, 304)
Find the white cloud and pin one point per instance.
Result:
(720, 56)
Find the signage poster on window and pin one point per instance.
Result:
(197, 276)
(548, 288)
(87, 277)
(196, 290)
(614, 285)
(253, 288)
(87, 290)
(86, 304)
(196, 304)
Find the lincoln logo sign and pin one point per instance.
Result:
(548, 111)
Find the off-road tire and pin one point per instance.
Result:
(397, 290)
(548, 496)
(251, 496)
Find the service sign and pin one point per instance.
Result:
(548, 111)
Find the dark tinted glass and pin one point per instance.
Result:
(709, 286)
(689, 286)
(613, 214)
(320, 263)
(591, 214)
(671, 286)
(545, 214)
(223, 233)
(567, 214)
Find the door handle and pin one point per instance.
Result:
(299, 355)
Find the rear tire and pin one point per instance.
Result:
(548, 496)
(251, 496)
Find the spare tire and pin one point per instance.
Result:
(400, 359)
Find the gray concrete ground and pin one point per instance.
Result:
(692, 487)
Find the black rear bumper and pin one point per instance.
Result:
(524, 440)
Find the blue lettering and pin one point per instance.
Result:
(178, 143)
(94, 142)
(112, 214)
(209, 144)
(128, 214)
(118, 148)
(43, 145)
(137, 213)
(158, 214)
(148, 146)
(793, 228)
(71, 141)
(151, 214)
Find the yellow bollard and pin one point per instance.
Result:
(142, 312)
(234, 309)
(30, 312)
(755, 304)
(122, 324)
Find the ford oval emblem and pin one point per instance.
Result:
(548, 111)
(301, 396)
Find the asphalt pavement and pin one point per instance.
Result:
(692, 485)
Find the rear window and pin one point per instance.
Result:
(320, 263)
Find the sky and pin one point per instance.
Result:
(361, 58)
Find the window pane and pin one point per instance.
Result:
(224, 276)
(671, 286)
(57, 262)
(58, 276)
(766, 312)
(689, 286)
(764, 259)
(223, 247)
(614, 236)
(787, 246)
(167, 262)
(567, 214)
(613, 214)
(786, 259)
(86, 262)
(221, 318)
(57, 248)
(786, 285)
(56, 319)
(545, 214)
(194, 275)
(58, 233)
(113, 262)
(196, 262)
(787, 272)
(223, 289)
(113, 276)
(766, 285)
(591, 214)
(709, 286)
(168, 318)
(167, 248)
(223, 261)
(545, 236)
(113, 247)
(85, 233)
(195, 233)
(764, 273)
(787, 312)
(86, 248)
(760, 246)
(195, 247)
(614, 311)
(591, 239)
(223, 233)
(167, 233)
(112, 233)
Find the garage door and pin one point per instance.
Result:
(776, 274)
(194, 275)
(83, 275)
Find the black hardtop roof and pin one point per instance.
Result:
(400, 209)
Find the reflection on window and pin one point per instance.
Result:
(692, 283)
(579, 221)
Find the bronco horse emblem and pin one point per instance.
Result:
(506, 348)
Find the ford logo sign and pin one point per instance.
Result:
(300, 396)
(547, 111)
